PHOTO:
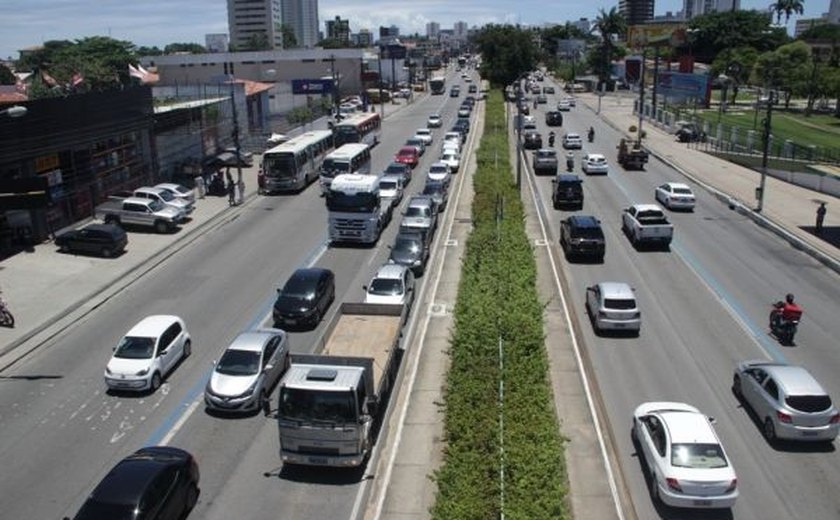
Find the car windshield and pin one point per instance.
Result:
(299, 288)
(239, 363)
(411, 245)
(332, 167)
(135, 347)
(546, 154)
(352, 203)
(385, 287)
(280, 166)
(155, 205)
(317, 406)
(165, 195)
(699, 456)
(597, 160)
(682, 191)
(414, 211)
(395, 168)
(619, 303)
(414, 142)
(438, 169)
(433, 188)
(388, 185)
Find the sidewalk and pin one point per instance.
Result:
(789, 210)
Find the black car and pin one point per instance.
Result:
(524, 108)
(101, 239)
(470, 100)
(305, 298)
(472, 89)
(411, 249)
(454, 92)
(464, 122)
(553, 118)
(398, 168)
(437, 191)
(532, 140)
(568, 191)
(548, 90)
(158, 482)
(582, 236)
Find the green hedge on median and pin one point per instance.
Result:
(498, 298)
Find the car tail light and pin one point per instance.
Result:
(732, 485)
(783, 417)
(674, 484)
(835, 418)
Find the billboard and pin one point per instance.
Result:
(652, 34)
(680, 86)
(312, 86)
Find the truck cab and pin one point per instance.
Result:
(357, 213)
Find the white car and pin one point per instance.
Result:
(687, 464)
(595, 163)
(147, 353)
(572, 140)
(612, 306)
(464, 112)
(434, 121)
(451, 146)
(425, 134)
(247, 371)
(439, 172)
(392, 284)
(391, 188)
(564, 106)
(453, 136)
(178, 191)
(570, 100)
(675, 195)
(452, 159)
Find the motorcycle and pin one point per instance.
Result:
(570, 164)
(551, 140)
(6, 318)
(783, 329)
(591, 135)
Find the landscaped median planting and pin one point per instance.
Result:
(504, 451)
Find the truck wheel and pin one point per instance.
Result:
(161, 226)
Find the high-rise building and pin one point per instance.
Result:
(584, 25)
(249, 21)
(302, 17)
(338, 30)
(636, 11)
(363, 38)
(692, 8)
(460, 30)
(388, 34)
(432, 30)
(834, 12)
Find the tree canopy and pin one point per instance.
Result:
(507, 51)
(787, 7)
(715, 32)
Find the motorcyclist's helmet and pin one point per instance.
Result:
(789, 298)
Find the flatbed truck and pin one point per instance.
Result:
(331, 404)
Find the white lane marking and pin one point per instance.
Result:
(578, 359)
(380, 500)
(181, 420)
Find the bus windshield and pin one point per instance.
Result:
(346, 134)
(352, 203)
(280, 166)
(333, 167)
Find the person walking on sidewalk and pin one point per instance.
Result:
(231, 192)
(821, 211)
(240, 192)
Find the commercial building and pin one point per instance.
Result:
(302, 17)
(636, 11)
(339, 30)
(363, 38)
(253, 20)
(432, 30)
(460, 30)
(692, 8)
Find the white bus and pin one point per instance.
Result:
(291, 166)
(361, 128)
(349, 158)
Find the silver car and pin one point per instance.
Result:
(247, 371)
(393, 284)
(787, 400)
(612, 306)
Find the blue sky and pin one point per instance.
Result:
(158, 22)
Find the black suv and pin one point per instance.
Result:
(553, 118)
(582, 236)
(472, 89)
(102, 239)
(568, 191)
(532, 140)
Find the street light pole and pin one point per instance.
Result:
(641, 97)
(771, 98)
(235, 133)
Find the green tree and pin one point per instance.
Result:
(191, 48)
(715, 32)
(6, 76)
(827, 31)
(149, 51)
(334, 43)
(507, 52)
(256, 42)
(289, 38)
(608, 24)
(790, 68)
(737, 64)
(788, 7)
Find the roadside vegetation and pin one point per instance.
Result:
(504, 454)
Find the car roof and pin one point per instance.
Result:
(408, 149)
(688, 427)
(107, 228)
(171, 186)
(617, 290)
(572, 134)
(396, 177)
(568, 177)
(584, 221)
(595, 156)
(408, 235)
(795, 380)
(390, 271)
(152, 326)
(420, 200)
(251, 341)
(308, 273)
(126, 481)
(647, 207)
(678, 185)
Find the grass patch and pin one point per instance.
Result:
(822, 131)
(498, 300)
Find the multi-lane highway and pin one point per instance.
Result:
(62, 432)
(704, 307)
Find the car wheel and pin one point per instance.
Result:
(187, 349)
(64, 248)
(107, 252)
(161, 226)
(769, 430)
(155, 382)
(736, 386)
(192, 499)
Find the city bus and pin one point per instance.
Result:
(291, 166)
(349, 158)
(361, 128)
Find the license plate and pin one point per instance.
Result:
(619, 325)
(317, 460)
(703, 503)
(291, 322)
(809, 434)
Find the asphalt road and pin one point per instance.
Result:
(704, 307)
(62, 432)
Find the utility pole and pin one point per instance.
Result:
(655, 78)
(235, 132)
(381, 97)
(771, 98)
(641, 97)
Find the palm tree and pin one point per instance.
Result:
(607, 25)
(788, 7)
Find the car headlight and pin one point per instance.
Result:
(142, 372)
(248, 391)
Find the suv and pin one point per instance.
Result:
(612, 305)
(545, 161)
(568, 191)
(582, 236)
(553, 118)
(420, 214)
(103, 239)
(532, 140)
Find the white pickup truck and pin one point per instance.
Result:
(647, 224)
(140, 212)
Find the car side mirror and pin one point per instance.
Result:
(364, 418)
(712, 420)
(269, 367)
(162, 352)
(590, 289)
(278, 290)
(365, 287)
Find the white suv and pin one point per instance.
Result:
(148, 352)
(612, 306)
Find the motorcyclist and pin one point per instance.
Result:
(570, 161)
(535, 103)
(591, 134)
(551, 139)
(787, 311)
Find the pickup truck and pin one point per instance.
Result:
(647, 224)
(140, 212)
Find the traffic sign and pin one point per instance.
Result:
(311, 86)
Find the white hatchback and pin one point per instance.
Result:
(595, 163)
(439, 172)
(147, 353)
(612, 306)
(452, 159)
(675, 195)
(178, 191)
(392, 284)
(686, 461)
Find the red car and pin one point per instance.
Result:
(408, 155)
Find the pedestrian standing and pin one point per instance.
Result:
(820, 218)
(231, 193)
(240, 198)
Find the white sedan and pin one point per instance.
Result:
(686, 461)
(451, 158)
(434, 121)
(595, 163)
(425, 135)
(675, 195)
